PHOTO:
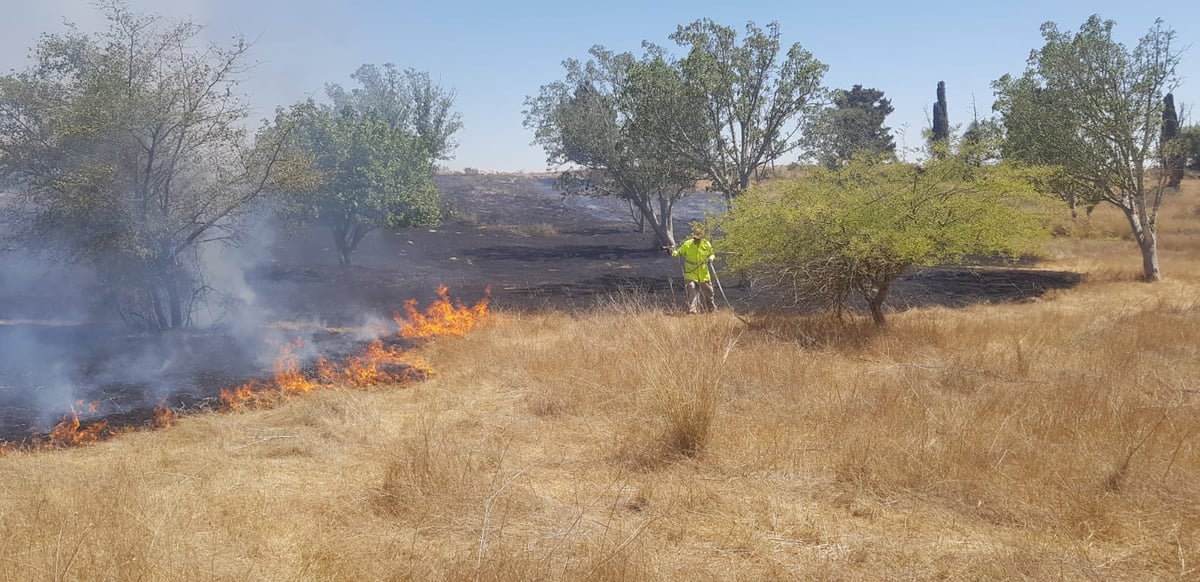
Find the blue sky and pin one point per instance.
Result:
(495, 54)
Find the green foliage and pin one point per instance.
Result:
(1093, 107)
(1035, 134)
(981, 142)
(129, 151)
(407, 100)
(645, 129)
(854, 126)
(603, 120)
(752, 99)
(366, 174)
(853, 231)
(1189, 146)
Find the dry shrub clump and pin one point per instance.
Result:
(1052, 439)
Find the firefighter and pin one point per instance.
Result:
(697, 253)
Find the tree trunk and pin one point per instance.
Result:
(1149, 248)
(157, 318)
(1147, 240)
(875, 301)
(638, 217)
(658, 223)
(168, 285)
(341, 243)
(1176, 165)
(666, 217)
(174, 302)
(662, 234)
(152, 297)
(347, 233)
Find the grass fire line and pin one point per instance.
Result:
(377, 365)
(72, 431)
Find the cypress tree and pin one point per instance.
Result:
(1173, 158)
(941, 123)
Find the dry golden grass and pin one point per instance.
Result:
(1054, 439)
(1102, 247)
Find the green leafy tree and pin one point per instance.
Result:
(1034, 134)
(594, 121)
(130, 153)
(837, 234)
(1189, 138)
(363, 174)
(408, 100)
(752, 99)
(981, 141)
(1109, 102)
(853, 126)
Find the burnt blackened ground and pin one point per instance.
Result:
(965, 285)
(510, 236)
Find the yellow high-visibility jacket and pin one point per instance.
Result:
(695, 259)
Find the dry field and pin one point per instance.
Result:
(1052, 439)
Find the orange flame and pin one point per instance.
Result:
(234, 398)
(163, 416)
(69, 432)
(442, 317)
(255, 394)
(288, 381)
(377, 365)
(288, 377)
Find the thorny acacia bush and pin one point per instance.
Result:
(849, 232)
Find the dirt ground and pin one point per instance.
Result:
(510, 236)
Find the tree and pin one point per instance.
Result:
(408, 100)
(1034, 134)
(367, 173)
(1104, 105)
(939, 136)
(1174, 159)
(129, 149)
(1189, 138)
(595, 121)
(981, 141)
(853, 126)
(752, 104)
(855, 230)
